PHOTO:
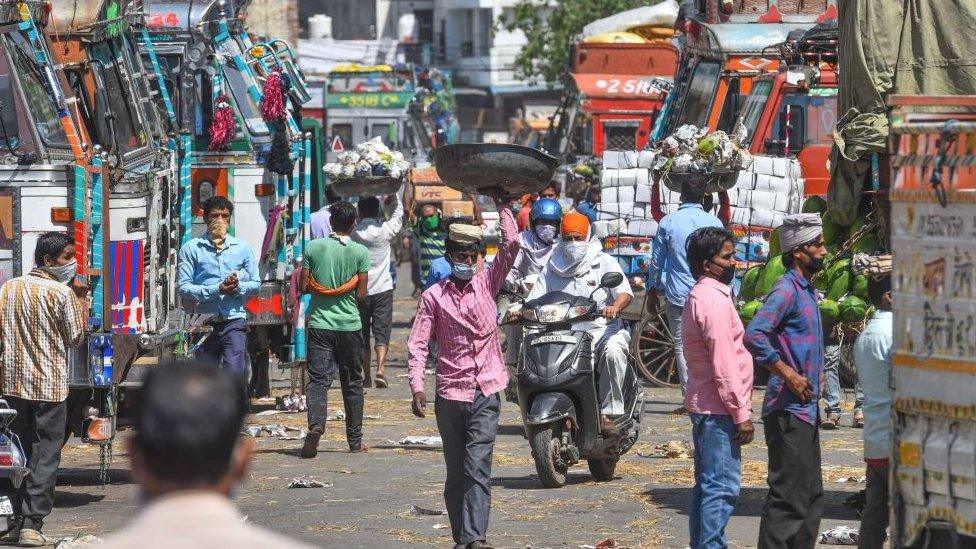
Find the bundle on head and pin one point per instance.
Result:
(279, 158)
(273, 97)
(224, 126)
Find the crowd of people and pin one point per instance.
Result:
(187, 453)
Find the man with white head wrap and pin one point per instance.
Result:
(576, 267)
(786, 338)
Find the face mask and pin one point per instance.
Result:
(63, 273)
(217, 230)
(546, 233)
(728, 273)
(462, 271)
(432, 222)
(574, 252)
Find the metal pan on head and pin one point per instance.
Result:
(480, 168)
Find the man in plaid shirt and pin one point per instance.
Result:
(41, 318)
(786, 338)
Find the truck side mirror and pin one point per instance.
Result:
(10, 129)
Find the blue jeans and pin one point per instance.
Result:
(833, 392)
(718, 472)
(227, 345)
(674, 324)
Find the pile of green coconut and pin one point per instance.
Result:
(845, 293)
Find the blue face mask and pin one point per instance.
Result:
(463, 271)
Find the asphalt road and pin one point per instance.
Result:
(368, 499)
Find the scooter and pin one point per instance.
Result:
(13, 465)
(557, 390)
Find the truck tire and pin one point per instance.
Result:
(602, 469)
(545, 445)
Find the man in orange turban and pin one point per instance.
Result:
(576, 267)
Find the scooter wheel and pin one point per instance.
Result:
(546, 445)
(603, 469)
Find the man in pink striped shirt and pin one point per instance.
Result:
(460, 313)
(719, 393)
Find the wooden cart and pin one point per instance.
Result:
(651, 342)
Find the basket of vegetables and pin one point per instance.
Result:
(692, 158)
(372, 169)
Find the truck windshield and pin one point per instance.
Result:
(819, 117)
(755, 104)
(701, 91)
(39, 100)
(129, 133)
(249, 109)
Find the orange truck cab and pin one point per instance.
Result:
(790, 117)
(615, 93)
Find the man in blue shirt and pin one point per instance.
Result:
(217, 272)
(786, 338)
(669, 270)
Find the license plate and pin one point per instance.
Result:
(6, 508)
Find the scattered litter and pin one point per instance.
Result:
(852, 480)
(441, 526)
(276, 430)
(419, 441)
(291, 403)
(674, 449)
(372, 417)
(79, 540)
(840, 535)
(339, 416)
(305, 482)
(608, 543)
(418, 510)
(270, 412)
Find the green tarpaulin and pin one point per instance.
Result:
(924, 47)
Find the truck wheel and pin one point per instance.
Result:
(602, 469)
(546, 447)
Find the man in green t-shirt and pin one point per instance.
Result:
(335, 273)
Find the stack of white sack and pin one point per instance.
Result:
(625, 186)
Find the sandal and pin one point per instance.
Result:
(380, 381)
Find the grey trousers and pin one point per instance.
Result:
(674, 324)
(40, 427)
(468, 432)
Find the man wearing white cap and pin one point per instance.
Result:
(459, 314)
(786, 337)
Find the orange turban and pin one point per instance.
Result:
(576, 223)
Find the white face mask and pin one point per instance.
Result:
(546, 233)
(63, 273)
(574, 252)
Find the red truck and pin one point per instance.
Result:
(614, 96)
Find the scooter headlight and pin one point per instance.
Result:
(555, 312)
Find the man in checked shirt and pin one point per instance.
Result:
(786, 337)
(41, 316)
(459, 312)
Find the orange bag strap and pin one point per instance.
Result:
(346, 287)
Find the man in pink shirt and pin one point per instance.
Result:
(459, 313)
(719, 394)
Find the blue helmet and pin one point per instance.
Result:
(546, 209)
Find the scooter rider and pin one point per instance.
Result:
(576, 266)
(535, 247)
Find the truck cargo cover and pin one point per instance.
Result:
(892, 47)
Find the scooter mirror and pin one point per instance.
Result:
(611, 280)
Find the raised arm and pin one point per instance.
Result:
(507, 250)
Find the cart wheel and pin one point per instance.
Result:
(653, 347)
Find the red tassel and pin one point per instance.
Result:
(273, 98)
(224, 126)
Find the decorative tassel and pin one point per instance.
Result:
(224, 126)
(279, 158)
(273, 98)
